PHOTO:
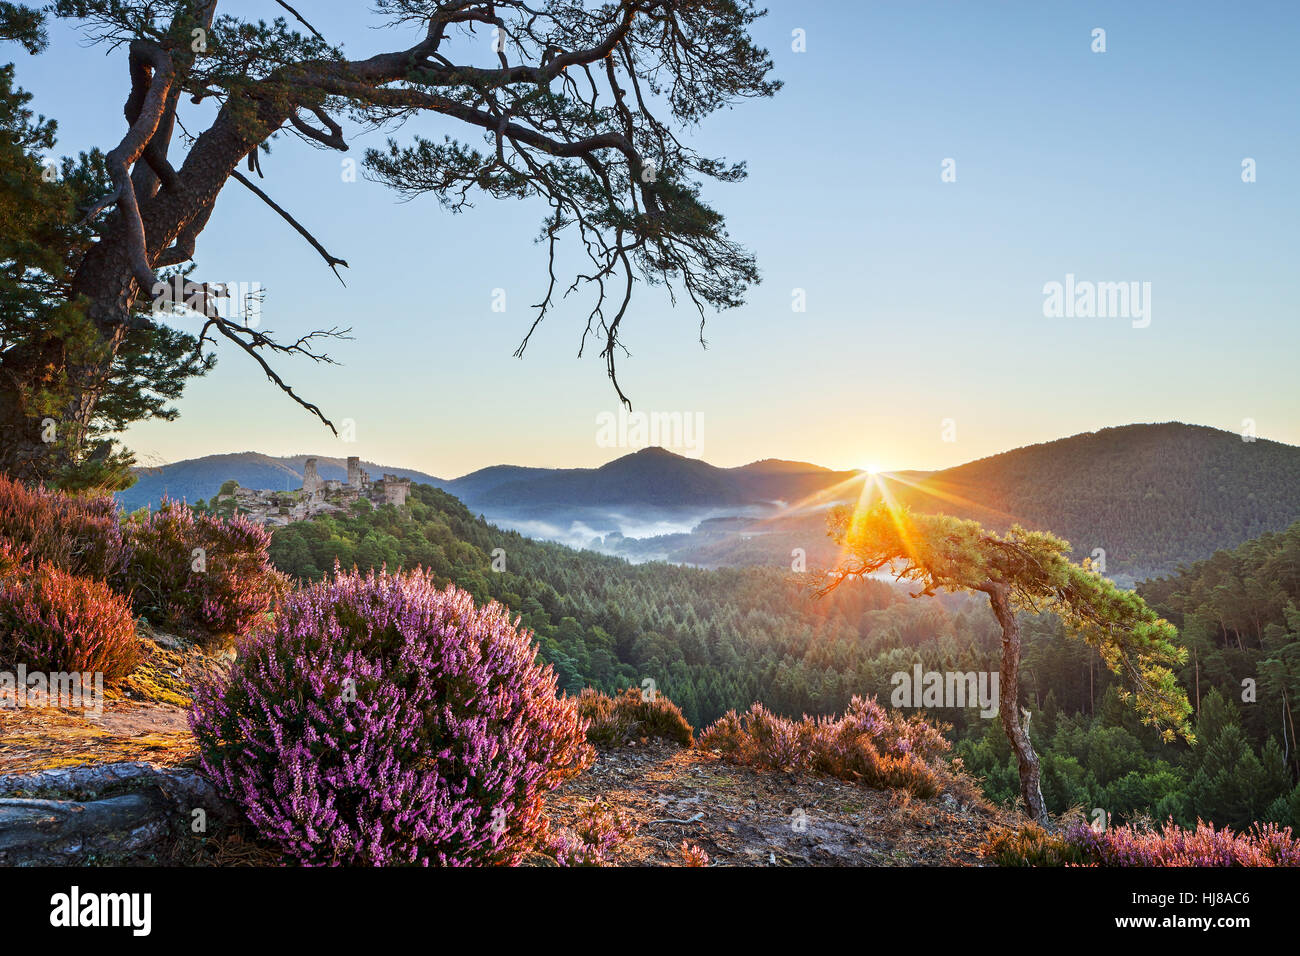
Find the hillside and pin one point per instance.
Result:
(199, 478)
(715, 640)
(650, 477)
(1153, 497)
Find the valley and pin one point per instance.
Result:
(1143, 499)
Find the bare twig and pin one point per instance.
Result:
(331, 260)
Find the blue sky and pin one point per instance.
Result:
(924, 298)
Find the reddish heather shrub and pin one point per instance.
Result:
(613, 721)
(598, 831)
(191, 570)
(1081, 845)
(693, 855)
(79, 535)
(12, 558)
(879, 748)
(727, 736)
(1262, 845)
(54, 621)
(383, 721)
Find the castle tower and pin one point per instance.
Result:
(356, 477)
(395, 490)
(311, 483)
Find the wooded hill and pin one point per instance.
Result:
(715, 640)
(1152, 497)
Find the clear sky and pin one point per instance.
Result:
(925, 299)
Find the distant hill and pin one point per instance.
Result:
(479, 484)
(650, 477)
(197, 478)
(1152, 496)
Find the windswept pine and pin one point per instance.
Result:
(520, 525)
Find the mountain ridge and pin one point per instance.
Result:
(192, 479)
(1149, 496)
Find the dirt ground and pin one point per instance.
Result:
(143, 719)
(743, 817)
(738, 816)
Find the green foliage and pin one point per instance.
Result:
(1239, 612)
(24, 25)
(1033, 567)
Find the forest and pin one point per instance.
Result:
(718, 640)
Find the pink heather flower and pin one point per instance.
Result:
(1262, 845)
(384, 721)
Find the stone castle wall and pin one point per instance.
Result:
(319, 496)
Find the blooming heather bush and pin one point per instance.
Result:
(54, 621)
(612, 721)
(383, 721)
(79, 535)
(1079, 844)
(869, 744)
(192, 570)
(12, 558)
(693, 855)
(589, 842)
(1262, 845)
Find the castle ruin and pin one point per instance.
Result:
(317, 495)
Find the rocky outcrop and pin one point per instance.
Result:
(105, 813)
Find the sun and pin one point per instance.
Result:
(871, 470)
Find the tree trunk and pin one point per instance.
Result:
(1031, 790)
(105, 280)
(172, 220)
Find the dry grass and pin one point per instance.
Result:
(614, 721)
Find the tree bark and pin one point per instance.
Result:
(106, 276)
(107, 280)
(1031, 790)
(54, 832)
